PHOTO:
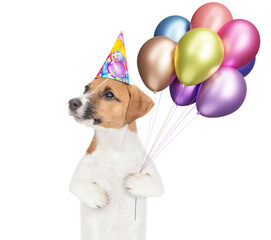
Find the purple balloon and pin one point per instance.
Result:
(221, 94)
(183, 96)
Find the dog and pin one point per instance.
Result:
(107, 179)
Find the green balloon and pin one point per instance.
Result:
(198, 55)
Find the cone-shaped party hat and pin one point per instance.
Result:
(115, 66)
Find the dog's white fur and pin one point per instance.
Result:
(107, 182)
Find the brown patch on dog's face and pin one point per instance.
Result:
(110, 104)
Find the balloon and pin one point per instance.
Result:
(211, 15)
(245, 70)
(198, 55)
(221, 94)
(173, 27)
(155, 62)
(241, 41)
(183, 95)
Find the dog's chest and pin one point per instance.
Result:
(110, 166)
(118, 152)
(113, 165)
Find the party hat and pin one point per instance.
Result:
(115, 65)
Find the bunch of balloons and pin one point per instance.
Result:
(203, 61)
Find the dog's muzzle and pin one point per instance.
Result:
(83, 110)
(74, 104)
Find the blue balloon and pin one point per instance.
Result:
(173, 27)
(245, 70)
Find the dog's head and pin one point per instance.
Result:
(110, 104)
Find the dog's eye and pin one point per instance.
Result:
(109, 95)
(86, 88)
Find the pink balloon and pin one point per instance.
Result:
(211, 15)
(241, 41)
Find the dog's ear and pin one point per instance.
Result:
(139, 105)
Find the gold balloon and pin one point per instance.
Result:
(198, 56)
(155, 63)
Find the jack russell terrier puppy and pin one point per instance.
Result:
(107, 179)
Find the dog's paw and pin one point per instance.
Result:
(98, 197)
(143, 185)
(135, 183)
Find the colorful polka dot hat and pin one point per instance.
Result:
(115, 66)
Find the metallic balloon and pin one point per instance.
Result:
(211, 15)
(241, 41)
(183, 95)
(155, 62)
(245, 70)
(221, 94)
(198, 55)
(173, 27)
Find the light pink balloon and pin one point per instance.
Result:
(241, 41)
(211, 15)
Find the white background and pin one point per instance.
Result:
(217, 173)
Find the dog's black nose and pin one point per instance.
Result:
(74, 104)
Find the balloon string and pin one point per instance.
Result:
(93, 91)
(147, 138)
(135, 209)
(169, 116)
(197, 114)
(170, 132)
(170, 141)
(149, 134)
(173, 128)
(161, 144)
(146, 147)
(160, 132)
